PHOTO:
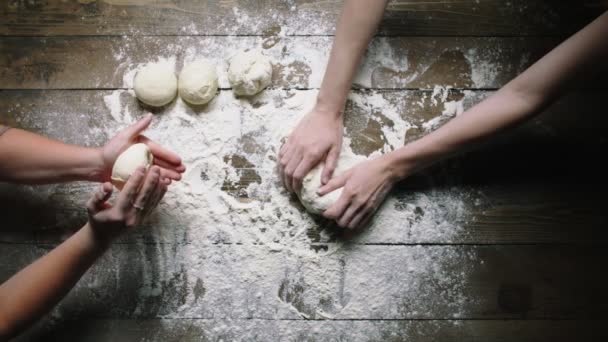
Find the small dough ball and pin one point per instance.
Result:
(314, 203)
(249, 72)
(155, 84)
(128, 161)
(198, 82)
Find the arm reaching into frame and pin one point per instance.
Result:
(367, 184)
(318, 136)
(33, 291)
(27, 157)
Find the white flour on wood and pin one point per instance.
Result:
(240, 246)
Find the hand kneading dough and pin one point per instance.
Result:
(128, 161)
(249, 72)
(155, 84)
(314, 203)
(198, 82)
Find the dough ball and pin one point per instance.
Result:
(314, 203)
(198, 82)
(128, 161)
(155, 84)
(249, 72)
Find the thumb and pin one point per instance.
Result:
(99, 198)
(138, 127)
(333, 184)
(330, 164)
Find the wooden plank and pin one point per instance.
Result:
(247, 281)
(316, 331)
(301, 17)
(527, 188)
(299, 62)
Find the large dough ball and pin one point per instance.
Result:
(155, 84)
(198, 82)
(249, 72)
(128, 161)
(314, 203)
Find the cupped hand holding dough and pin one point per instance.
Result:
(198, 82)
(249, 72)
(127, 162)
(155, 84)
(308, 196)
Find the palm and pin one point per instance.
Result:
(170, 164)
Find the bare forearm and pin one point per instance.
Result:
(517, 101)
(356, 27)
(26, 157)
(33, 291)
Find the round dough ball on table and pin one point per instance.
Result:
(128, 161)
(198, 82)
(155, 84)
(308, 196)
(249, 72)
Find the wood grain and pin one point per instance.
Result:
(299, 62)
(190, 17)
(351, 282)
(159, 330)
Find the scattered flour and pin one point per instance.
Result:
(230, 216)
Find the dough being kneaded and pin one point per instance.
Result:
(314, 203)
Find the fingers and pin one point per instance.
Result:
(97, 202)
(157, 195)
(167, 172)
(147, 190)
(171, 160)
(301, 170)
(330, 164)
(130, 190)
(294, 160)
(350, 212)
(338, 208)
(284, 156)
(361, 219)
(138, 127)
(333, 184)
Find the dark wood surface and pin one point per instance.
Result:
(525, 266)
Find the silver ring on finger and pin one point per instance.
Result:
(138, 207)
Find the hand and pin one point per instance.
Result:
(170, 164)
(133, 203)
(318, 136)
(364, 188)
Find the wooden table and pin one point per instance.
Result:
(533, 247)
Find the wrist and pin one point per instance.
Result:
(404, 162)
(328, 106)
(97, 170)
(93, 240)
